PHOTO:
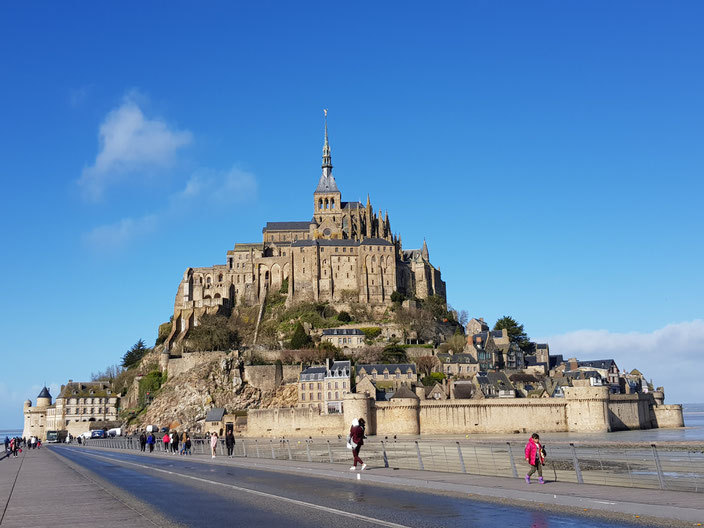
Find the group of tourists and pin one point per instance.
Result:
(171, 441)
(14, 445)
(534, 450)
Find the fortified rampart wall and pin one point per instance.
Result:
(293, 422)
(668, 416)
(630, 411)
(583, 409)
(493, 416)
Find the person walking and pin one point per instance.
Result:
(174, 443)
(142, 442)
(213, 443)
(7, 443)
(230, 442)
(187, 445)
(165, 441)
(150, 442)
(357, 436)
(535, 456)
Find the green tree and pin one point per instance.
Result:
(134, 354)
(300, 339)
(394, 354)
(515, 331)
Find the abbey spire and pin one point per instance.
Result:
(327, 181)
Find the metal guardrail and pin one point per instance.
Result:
(637, 467)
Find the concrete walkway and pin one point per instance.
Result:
(42, 489)
(38, 489)
(626, 503)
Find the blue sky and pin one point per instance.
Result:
(550, 153)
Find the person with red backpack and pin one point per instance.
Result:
(535, 456)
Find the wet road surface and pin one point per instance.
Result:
(194, 493)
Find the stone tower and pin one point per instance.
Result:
(327, 198)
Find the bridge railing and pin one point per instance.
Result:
(638, 466)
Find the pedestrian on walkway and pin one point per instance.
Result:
(150, 442)
(356, 440)
(174, 443)
(187, 445)
(165, 441)
(213, 443)
(230, 442)
(535, 456)
(7, 443)
(142, 441)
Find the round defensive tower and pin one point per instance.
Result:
(359, 406)
(44, 398)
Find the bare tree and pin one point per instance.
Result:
(427, 364)
(463, 318)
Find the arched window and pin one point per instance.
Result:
(220, 278)
(327, 204)
(207, 280)
(332, 203)
(320, 203)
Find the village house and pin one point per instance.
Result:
(344, 337)
(324, 387)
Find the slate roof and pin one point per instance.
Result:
(390, 366)
(541, 345)
(342, 331)
(598, 363)
(375, 242)
(313, 373)
(215, 414)
(77, 389)
(444, 357)
(352, 205)
(404, 392)
(44, 393)
(555, 360)
(326, 184)
(287, 226)
(532, 361)
(463, 391)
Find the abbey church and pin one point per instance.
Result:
(345, 253)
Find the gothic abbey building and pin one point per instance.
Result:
(344, 253)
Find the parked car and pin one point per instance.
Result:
(98, 433)
(117, 431)
(87, 434)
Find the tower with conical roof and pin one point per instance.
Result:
(327, 197)
(44, 398)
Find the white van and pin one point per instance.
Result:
(117, 431)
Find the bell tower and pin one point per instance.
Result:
(327, 207)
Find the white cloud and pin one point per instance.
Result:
(669, 355)
(112, 237)
(206, 190)
(130, 143)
